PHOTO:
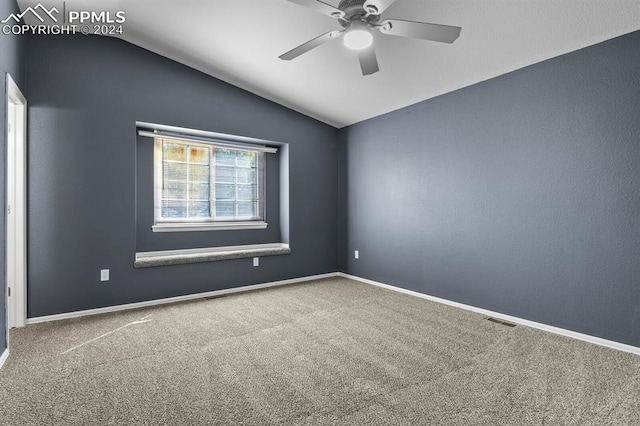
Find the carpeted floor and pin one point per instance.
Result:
(328, 352)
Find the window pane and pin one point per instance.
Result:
(199, 191)
(246, 159)
(247, 175)
(174, 152)
(225, 209)
(225, 174)
(246, 192)
(199, 155)
(175, 171)
(247, 209)
(226, 156)
(187, 183)
(175, 190)
(199, 209)
(225, 192)
(174, 209)
(198, 173)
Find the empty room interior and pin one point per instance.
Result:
(336, 212)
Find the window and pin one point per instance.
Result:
(202, 186)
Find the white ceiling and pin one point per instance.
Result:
(239, 41)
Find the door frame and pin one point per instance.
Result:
(16, 217)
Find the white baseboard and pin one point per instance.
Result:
(556, 330)
(137, 305)
(4, 357)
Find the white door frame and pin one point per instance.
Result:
(16, 206)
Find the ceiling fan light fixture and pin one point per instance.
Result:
(358, 36)
(358, 18)
(358, 39)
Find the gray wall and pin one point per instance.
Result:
(11, 48)
(343, 199)
(520, 194)
(85, 95)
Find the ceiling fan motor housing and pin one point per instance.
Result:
(354, 9)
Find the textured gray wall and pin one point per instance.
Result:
(85, 95)
(11, 48)
(520, 194)
(343, 199)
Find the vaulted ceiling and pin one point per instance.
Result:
(239, 41)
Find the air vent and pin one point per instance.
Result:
(497, 321)
(216, 297)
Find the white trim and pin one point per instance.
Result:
(208, 226)
(206, 134)
(284, 194)
(4, 357)
(16, 232)
(544, 327)
(137, 305)
(209, 250)
(180, 137)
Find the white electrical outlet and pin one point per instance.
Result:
(256, 261)
(104, 275)
(356, 254)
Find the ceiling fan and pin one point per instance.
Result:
(359, 18)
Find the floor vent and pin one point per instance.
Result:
(216, 297)
(497, 321)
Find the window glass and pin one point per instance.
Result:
(207, 182)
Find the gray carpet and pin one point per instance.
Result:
(328, 352)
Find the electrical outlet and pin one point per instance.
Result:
(356, 254)
(256, 261)
(104, 275)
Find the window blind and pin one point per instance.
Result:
(213, 141)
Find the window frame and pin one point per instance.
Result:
(162, 224)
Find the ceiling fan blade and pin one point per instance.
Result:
(321, 7)
(368, 61)
(311, 44)
(421, 30)
(376, 7)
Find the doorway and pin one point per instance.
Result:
(16, 206)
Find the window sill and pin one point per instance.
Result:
(207, 226)
(210, 254)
